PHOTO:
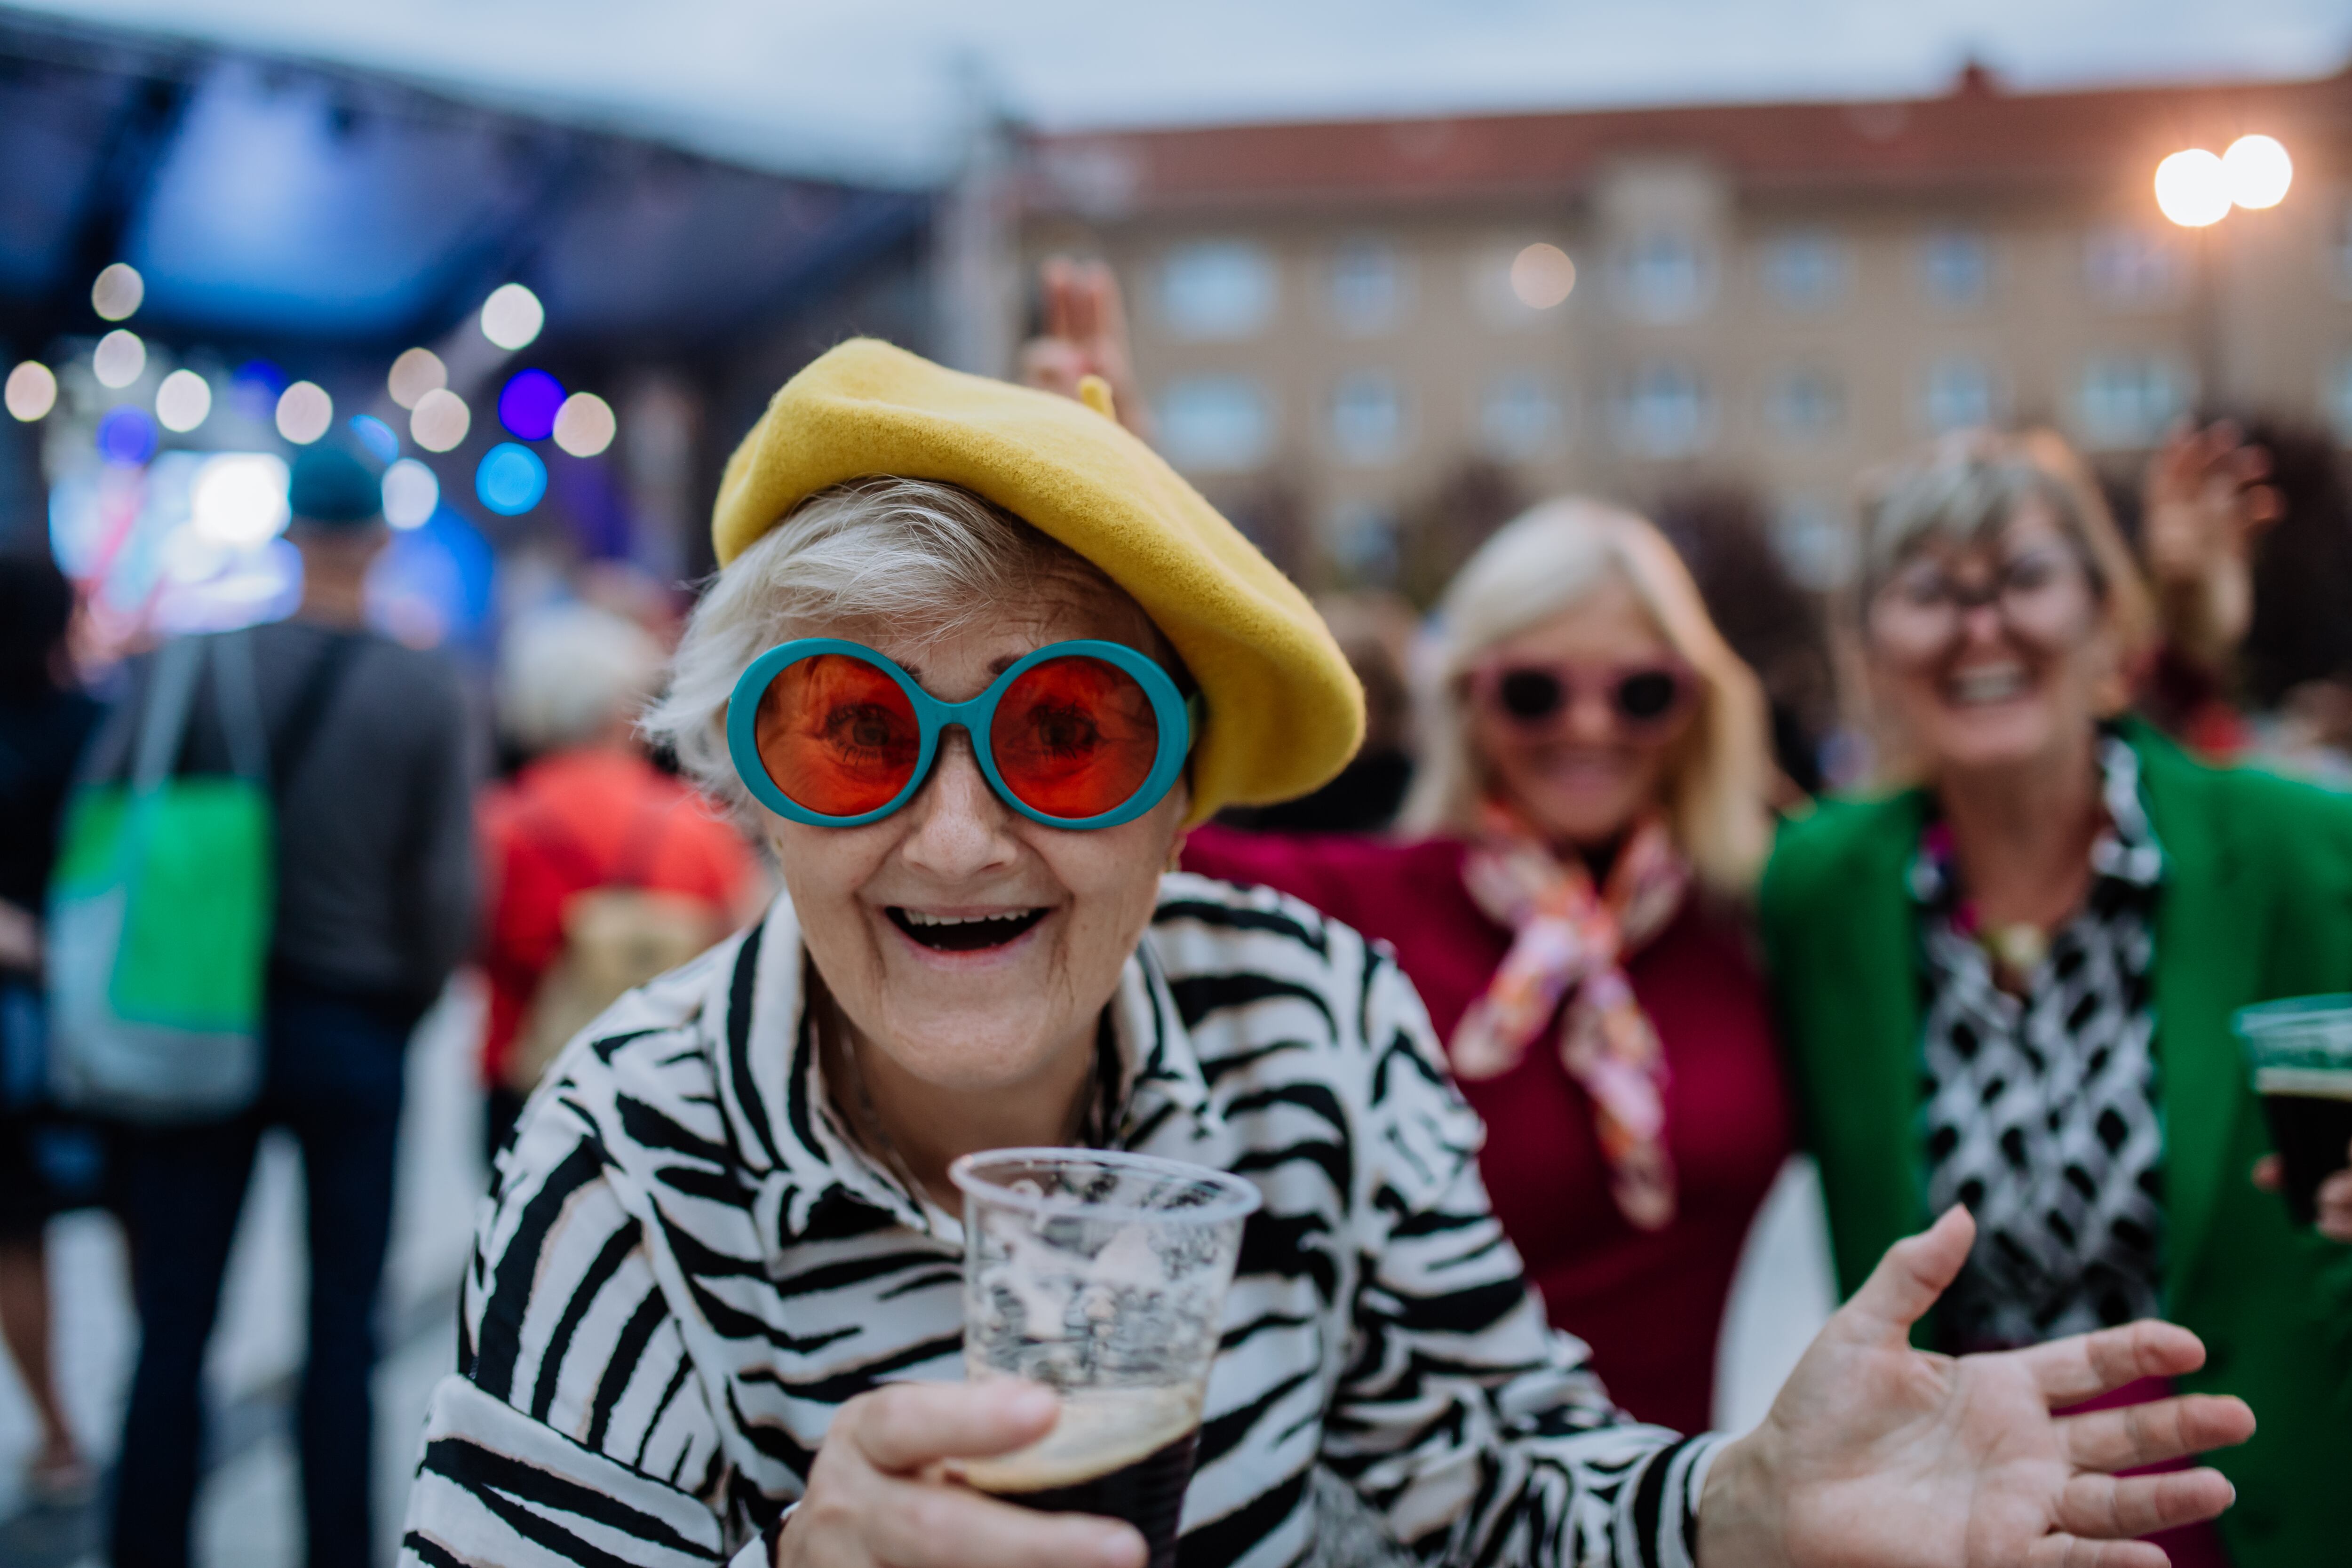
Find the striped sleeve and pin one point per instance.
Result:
(574, 1431)
(1474, 1430)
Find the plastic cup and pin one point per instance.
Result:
(1102, 1276)
(2300, 1053)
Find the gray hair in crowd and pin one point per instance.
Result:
(568, 672)
(1965, 488)
(923, 557)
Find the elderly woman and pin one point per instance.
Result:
(1585, 834)
(2010, 987)
(978, 656)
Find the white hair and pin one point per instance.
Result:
(567, 672)
(923, 557)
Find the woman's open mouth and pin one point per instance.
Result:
(963, 933)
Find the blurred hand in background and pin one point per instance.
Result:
(2205, 501)
(1085, 322)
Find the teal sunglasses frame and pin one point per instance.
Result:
(1169, 708)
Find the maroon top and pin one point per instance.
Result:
(1650, 1304)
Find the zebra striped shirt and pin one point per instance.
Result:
(687, 1263)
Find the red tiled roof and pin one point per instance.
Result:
(1976, 136)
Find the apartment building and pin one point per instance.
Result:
(1350, 316)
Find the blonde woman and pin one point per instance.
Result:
(1587, 824)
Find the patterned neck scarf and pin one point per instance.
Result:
(1569, 941)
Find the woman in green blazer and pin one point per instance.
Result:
(2011, 986)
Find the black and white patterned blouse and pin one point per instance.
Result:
(2041, 1109)
(688, 1265)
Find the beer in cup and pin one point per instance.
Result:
(2300, 1053)
(1102, 1276)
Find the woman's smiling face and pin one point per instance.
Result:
(971, 945)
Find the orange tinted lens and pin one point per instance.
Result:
(837, 735)
(1075, 737)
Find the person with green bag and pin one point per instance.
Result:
(2011, 987)
(310, 783)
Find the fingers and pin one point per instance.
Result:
(2336, 1206)
(1086, 301)
(2083, 1366)
(1060, 278)
(2074, 1552)
(1915, 1271)
(901, 1428)
(920, 1525)
(2106, 1508)
(2150, 1434)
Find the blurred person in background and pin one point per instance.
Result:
(1375, 631)
(1569, 900)
(2296, 656)
(1723, 536)
(48, 1163)
(716, 1310)
(2009, 986)
(603, 871)
(374, 784)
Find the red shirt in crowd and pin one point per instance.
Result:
(586, 819)
(1650, 1304)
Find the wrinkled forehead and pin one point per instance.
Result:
(988, 633)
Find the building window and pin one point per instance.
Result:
(1216, 423)
(1362, 536)
(2132, 268)
(1665, 276)
(1367, 288)
(1807, 403)
(1521, 416)
(1368, 417)
(1516, 284)
(2337, 397)
(2127, 399)
(1806, 272)
(1955, 270)
(1960, 394)
(1662, 411)
(1815, 541)
(1217, 289)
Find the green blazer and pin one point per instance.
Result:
(2256, 903)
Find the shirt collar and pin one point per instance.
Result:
(793, 1144)
(2125, 849)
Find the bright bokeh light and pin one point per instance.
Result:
(440, 420)
(304, 412)
(415, 373)
(584, 425)
(513, 316)
(32, 390)
(184, 401)
(2192, 189)
(125, 434)
(410, 491)
(120, 358)
(528, 403)
(116, 293)
(2258, 170)
(238, 498)
(377, 437)
(511, 480)
(1542, 276)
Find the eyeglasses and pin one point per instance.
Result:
(1077, 734)
(1921, 610)
(1644, 698)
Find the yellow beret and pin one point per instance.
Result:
(1284, 709)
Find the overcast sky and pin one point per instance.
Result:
(883, 89)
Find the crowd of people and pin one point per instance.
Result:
(1509, 949)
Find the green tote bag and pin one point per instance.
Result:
(160, 911)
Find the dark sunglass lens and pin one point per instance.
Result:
(1648, 694)
(1528, 694)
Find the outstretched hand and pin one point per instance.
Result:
(1875, 1454)
(1085, 334)
(2204, 499)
